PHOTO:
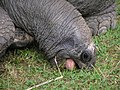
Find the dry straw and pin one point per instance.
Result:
(46, 82)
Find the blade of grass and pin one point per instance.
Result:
(46, 82)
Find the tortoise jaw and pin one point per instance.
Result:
(70, 64)
(86, 64)
(79, 64)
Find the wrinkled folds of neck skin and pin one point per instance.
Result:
(55, 24)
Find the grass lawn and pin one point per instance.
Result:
(26, 68)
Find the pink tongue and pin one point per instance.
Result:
(70, 64)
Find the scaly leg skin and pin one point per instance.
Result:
(100, 23)
(11, 36)
(21, 39)
(7, 30)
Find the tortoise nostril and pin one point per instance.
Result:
(86, 56)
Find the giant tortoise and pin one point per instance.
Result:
(62, 28)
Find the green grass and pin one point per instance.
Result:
(25, 68)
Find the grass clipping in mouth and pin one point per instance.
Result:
(46, 82)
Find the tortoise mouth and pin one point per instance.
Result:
(84, 59)
(71, 64)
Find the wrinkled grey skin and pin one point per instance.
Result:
(57, 26)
